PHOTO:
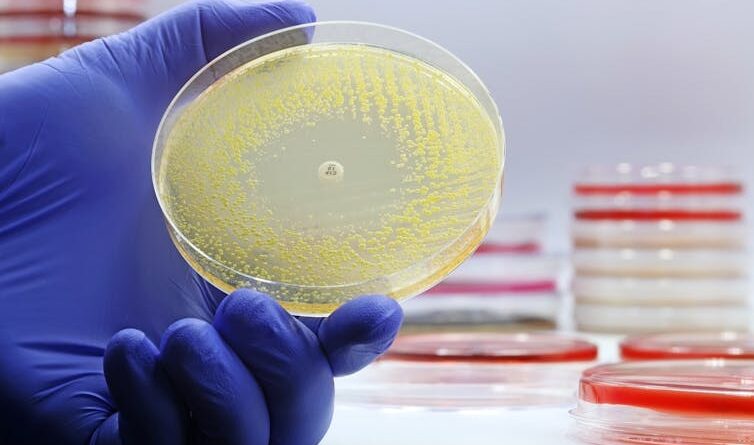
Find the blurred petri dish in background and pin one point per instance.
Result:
(492, 292)
(660, 248)
(688, 345)
(33, 30)
(464, 387)
(513, 234)
(503, 270)
(635, 319)
(662, 233)
(501, 311)
(464, 370)
(657, 402)
(660, 291)
(663, 181)
(327, 161)
(661, 263)
(491, 348)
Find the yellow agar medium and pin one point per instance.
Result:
(325, 171)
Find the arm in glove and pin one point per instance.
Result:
(84, 254)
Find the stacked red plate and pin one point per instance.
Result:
(659, 248)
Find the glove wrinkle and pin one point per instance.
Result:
(107, 433)
(29, 153)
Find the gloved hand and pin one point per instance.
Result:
(84, 253)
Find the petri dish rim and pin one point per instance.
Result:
(606, 385)
(696, 345)
(438, 348)
(489, 106)
(652, 179)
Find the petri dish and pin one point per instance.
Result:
(662, 233)
(658, 215)
(531, 310)
(34, 30)
(473, 369)
(491, 348)
(689, 345)
(327, 161)
(619, 319)
(463, 387)
(661, 291)
(664, 181)
(661, 263)
(513, 234)
(695, 402)
(658, 194)
(501, 270)
(626, 199)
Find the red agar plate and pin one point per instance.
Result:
(491, 348)
(688, 346)
(714, 387)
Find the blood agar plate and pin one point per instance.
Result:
(330, 160)
(491, 348)
(690, 345)
(664, 181)
(696, 402)
(464, 370)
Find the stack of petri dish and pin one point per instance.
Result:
(33, 30)
(508, 284)
(465, 387)
(659, 248)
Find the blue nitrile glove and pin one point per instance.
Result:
(84, 253)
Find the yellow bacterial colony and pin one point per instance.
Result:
(325, 171)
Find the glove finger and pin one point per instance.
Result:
(163, 53)
(142, 394)
(226, 403)
(359, 331)
(287, 361)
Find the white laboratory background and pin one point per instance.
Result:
(594, 81)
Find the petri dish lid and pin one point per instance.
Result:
(623, 319)
(657, 215)
(330, 160)
(659, 233)
(661, 262)
(732, 345)
(491, 348)
(714, 387)
(512, 288)
(512, 234)
(471, 370)
(658, 179)
(504, 268)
